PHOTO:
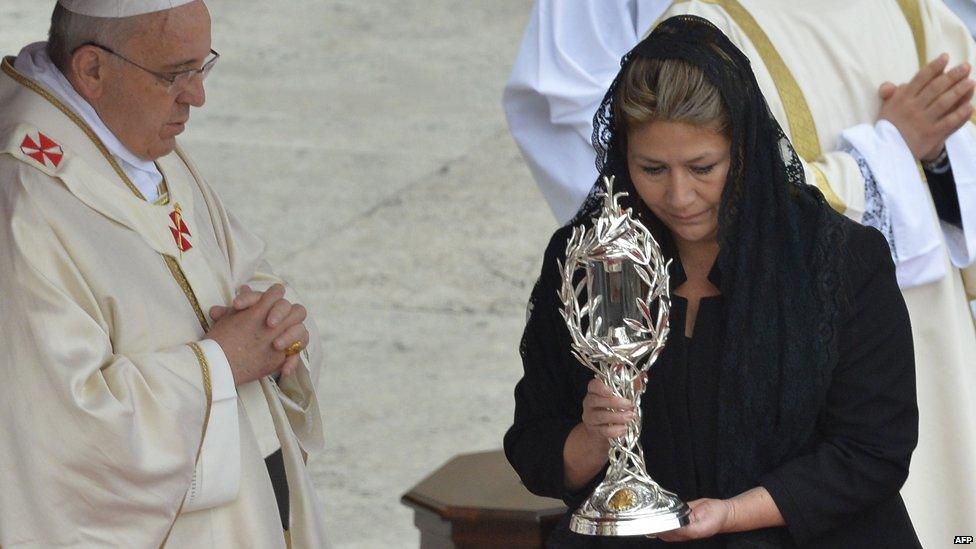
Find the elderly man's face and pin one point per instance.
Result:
(137, 106)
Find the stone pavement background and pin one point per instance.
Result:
(365, 141)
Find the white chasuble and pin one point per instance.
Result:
(809, 60)
(108, 391)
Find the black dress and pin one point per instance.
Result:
(841, 492)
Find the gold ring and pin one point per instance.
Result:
(294, 348)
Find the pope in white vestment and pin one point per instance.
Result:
(820, 65)
(122, 423)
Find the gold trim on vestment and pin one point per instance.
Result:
(208, 391)
(207, 383)
(833, 200)
(8, 68)
(803, 129)
(913, 14)
(177, 271)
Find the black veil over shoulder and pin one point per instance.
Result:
(779, 249)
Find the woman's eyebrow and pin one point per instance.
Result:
(698, 158)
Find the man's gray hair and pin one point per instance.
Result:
(69, 31)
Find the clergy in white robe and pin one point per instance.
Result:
(570, 53)
(820, 65)
(122, 423)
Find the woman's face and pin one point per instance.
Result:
(679, 171)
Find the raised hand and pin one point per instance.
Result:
(929, 108)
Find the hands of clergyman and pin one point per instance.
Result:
(930, 107)
(256, 331)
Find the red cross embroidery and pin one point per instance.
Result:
(179, 229)
(46, 150)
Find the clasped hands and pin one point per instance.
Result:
(930, 107)
(256, 330)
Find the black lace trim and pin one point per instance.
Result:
(876, 213)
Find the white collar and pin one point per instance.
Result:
(34, 63)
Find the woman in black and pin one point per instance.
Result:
(783, 405)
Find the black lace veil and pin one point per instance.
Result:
(779, 244)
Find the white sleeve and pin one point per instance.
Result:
(918, 257)
(217, 476)
(961, 241)
(570, 53)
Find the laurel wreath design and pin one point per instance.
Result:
(615, 234)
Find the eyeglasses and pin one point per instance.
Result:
(176, 81)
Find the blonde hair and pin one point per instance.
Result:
(669, 90)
